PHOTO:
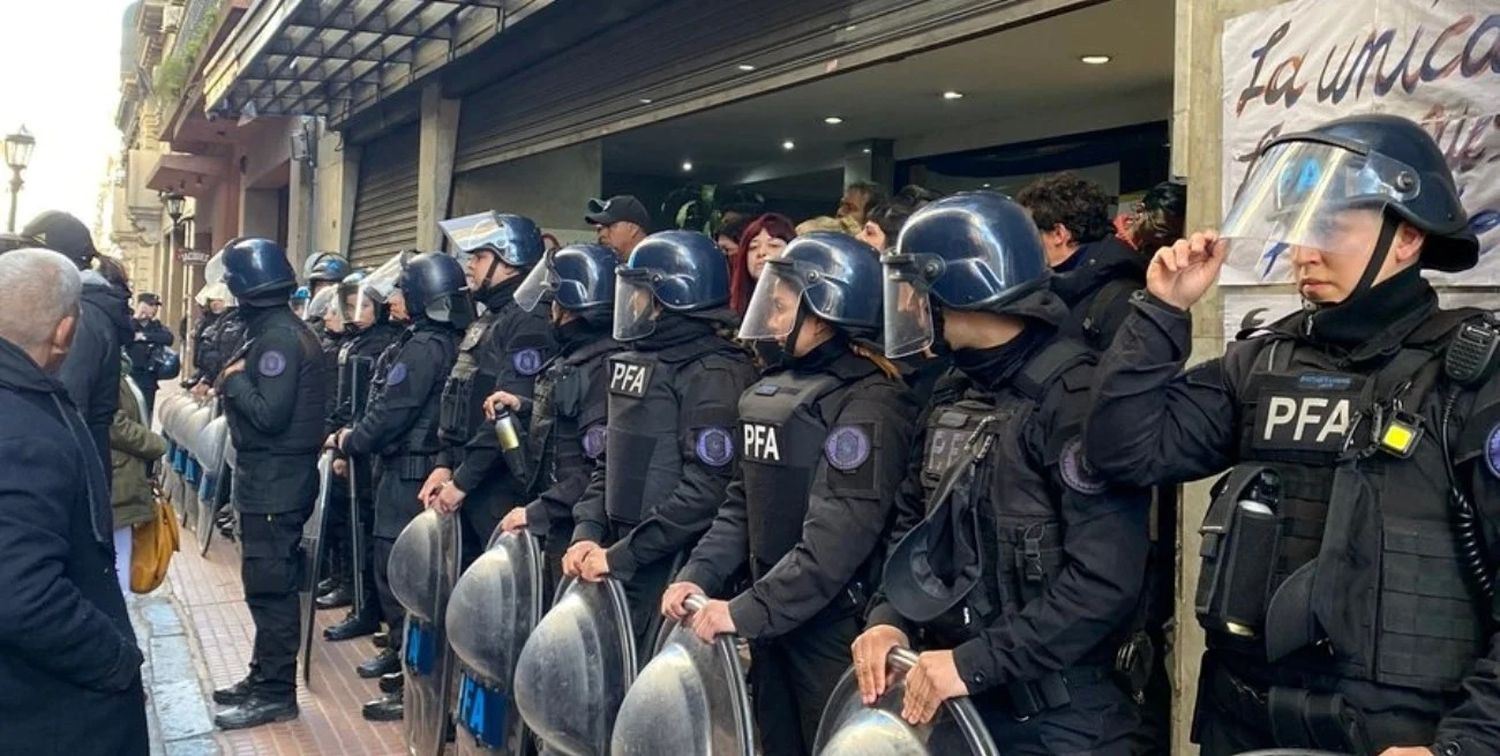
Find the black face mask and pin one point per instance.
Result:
(575, 332)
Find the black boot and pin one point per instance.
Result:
(383, 663)
(338, 597)
(235, 694)
(353, 626)
(326, 585)
(256, 711)
(387, 709)
(391, 683)
(381, 639)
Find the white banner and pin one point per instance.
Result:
(1436, 62)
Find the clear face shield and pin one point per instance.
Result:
(216, 290)
(772, 313)
(324, 308)
(908, 303)
(1309, 196)
(636, 309)
(470, 233)
(541, 282)
(378, 287)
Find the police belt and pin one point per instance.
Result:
(407, 466)
(1295, 717)
(1027, 698)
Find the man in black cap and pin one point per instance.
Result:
(150, 338)
(91, 372)
(622, 222)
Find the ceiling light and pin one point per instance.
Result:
(788, 145)
(866, 150)
(1095, 60)
(687, 165)
(952, 95)
(833, 120)
(985, 185)
(645, 100)
(746, 67)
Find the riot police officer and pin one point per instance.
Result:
(1349, 555)
(325, 270)
(824, 442)
(569, 412)
(669, 448)
(1013, 569)
(400, 422)
(505, 349)
(369, 329)
(325, 318)
(273, 397)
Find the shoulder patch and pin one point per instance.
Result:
(396, 375)
(272, 363)
(847, 447)
(594, 440)
(1076, 472)
(714, 446)
(1492, 451)
(527, 361)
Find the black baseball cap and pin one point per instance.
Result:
(937, 563)
(622, 207)
(61, 232)
(147, 297)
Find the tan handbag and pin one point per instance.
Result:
(152, 545)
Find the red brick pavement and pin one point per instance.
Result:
(213, 607)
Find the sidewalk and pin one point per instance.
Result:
(197, 635)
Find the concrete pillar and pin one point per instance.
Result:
(301, 204)
(439, 140)
(870, 160)
(334, 188)
(260, 212)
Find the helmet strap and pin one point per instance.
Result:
(1388, 227)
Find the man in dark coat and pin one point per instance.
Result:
(149, 339)
(70, 678)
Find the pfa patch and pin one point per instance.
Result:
(272, 364)
(1492, 451)
(714, 446)
(847, 447)
(593, 441)
(1076, 472)
(527, 361)
(397, 374)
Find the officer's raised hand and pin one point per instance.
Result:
(674, 600)
(870, 651)
(572, 561)
(514, 520)
(931, 681)
(1181, 274)
(501, 399)
(712, 620)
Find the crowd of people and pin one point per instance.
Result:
(941, 424)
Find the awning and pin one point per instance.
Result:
(331, 57)
(180, 172)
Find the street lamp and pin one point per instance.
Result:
(173, 201)
(18, 148)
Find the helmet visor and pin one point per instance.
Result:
(1309, 195)
(213, 270)
(214, 290)
(773, 307)
(324, 308)
(908, 307)
(540, 282)
(636, 309)
(470, 233)
(376, 288)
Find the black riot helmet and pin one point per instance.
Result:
(435, 288)
(258, 273)
(833, 276)
(970, 251)
(580, 278)
(512, 239)
(329, 267)
(677, 271)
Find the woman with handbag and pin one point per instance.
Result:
(133, 449)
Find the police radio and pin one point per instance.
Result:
(1239, 539)
(1471, 354)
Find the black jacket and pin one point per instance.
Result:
(70, 680)
(91, 372)
(147, 339)
(1096, 283)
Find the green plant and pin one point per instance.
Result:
(172, 74)
(700, 207)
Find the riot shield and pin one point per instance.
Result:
(313, 546)
(575, 668)
(699, 688)
(422, 571)
(849, 728)
(356, 536)
(212, 487)
(495, 605)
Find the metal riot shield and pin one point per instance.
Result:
(575, 668)
(495, 605)
(194, 422)
(422, 571)
(699, 688)
(313, 546)
(214, 484)
(359, 380)
(849, 728)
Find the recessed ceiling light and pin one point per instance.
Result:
(833, 120)
(953, 95)
(687, 165)
(985, 185)
(788, 145)
(645, 100)
(746, 67)
(1095, 60)
(866, 150)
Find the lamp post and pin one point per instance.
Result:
(18, 148)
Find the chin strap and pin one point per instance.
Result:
(1388, 226)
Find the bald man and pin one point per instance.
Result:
(70, 678)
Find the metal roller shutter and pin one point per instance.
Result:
(385, 207)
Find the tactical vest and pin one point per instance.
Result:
(305, 431)
(784, 420)
(471, 381)
(643, 457)
(556, 400)
(354, 379)
(1363, 556)
(976, 438)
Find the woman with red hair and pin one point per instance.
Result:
(763, 239)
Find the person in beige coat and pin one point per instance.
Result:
(133, 449)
